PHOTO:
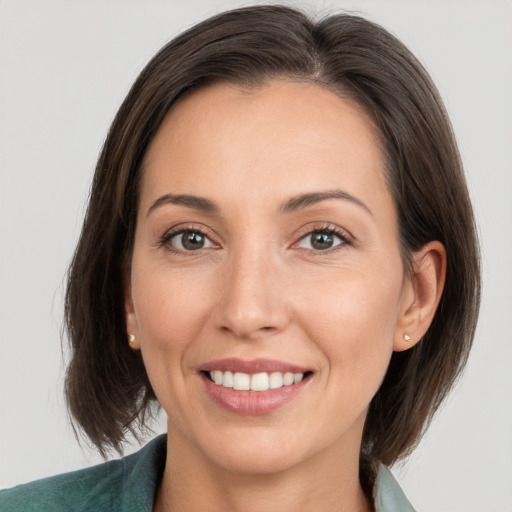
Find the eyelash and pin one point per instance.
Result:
(345, 238)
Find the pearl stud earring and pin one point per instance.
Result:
(407, 337)
(131, 338)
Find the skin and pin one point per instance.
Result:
(259, 289)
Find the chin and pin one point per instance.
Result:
(250, 452)
(256, 462)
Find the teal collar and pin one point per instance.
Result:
(389, 497)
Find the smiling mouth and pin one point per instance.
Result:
(253, 387)
(257, 382)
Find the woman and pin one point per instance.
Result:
(280, 250)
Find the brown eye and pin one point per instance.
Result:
(321, 240)
(190, 241)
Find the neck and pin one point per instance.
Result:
(324, 483)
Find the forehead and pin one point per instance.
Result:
(283, 137)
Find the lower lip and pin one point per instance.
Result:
(252, 402)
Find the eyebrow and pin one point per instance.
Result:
(304, 200)
(293, 204)
(196, 203)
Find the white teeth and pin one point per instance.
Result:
(255, 382)
(288, 378)
(259, 382)
(227, 381)
(276, 380)
(241, 381)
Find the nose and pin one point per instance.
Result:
(252, 301)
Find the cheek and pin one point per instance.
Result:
(353, 319)
(169, 305)
(364, 303)
(170, 309)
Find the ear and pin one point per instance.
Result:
(421, 295)
(132, 332)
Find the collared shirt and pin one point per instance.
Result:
(129, 485)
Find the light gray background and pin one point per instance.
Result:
(65, 67)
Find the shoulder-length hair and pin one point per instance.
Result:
(107, 387)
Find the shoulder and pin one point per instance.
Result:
(95, 488)
(125, 484)
(389, 497)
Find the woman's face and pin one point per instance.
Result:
(266, 245)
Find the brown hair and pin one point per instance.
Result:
(107, 388)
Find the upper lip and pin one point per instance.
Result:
(234, 364)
